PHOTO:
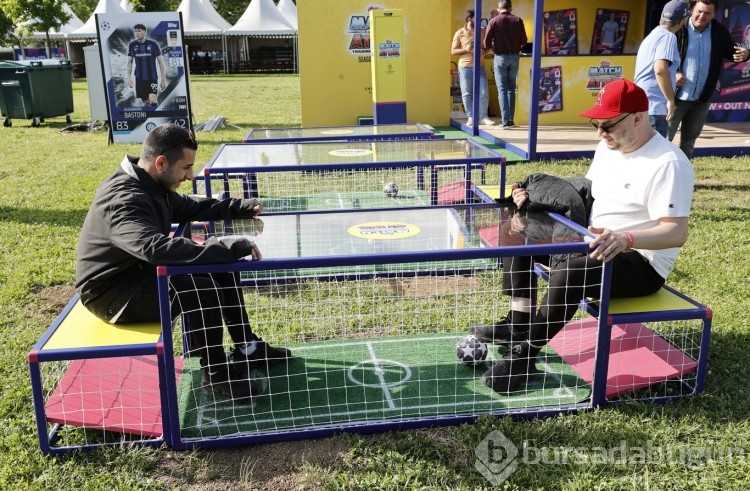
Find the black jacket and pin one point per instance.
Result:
(722, 48)
(126, 234)
(570, 197)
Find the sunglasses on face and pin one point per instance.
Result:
(606, 128)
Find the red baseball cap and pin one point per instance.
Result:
(616, 98)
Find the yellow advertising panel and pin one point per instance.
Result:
(571, 73)
(334, 57)
(388, 60)
(579, 77)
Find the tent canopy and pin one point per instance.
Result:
(289, 11)
(199, 18)
(88, 30)
(262, 18)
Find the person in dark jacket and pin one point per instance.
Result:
(642, 188)
(126, 234)
(704, 45)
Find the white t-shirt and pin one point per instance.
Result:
(633, 191)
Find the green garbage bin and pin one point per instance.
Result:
(45, 88)
(11, 101)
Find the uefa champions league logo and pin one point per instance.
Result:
(105, 26)
(496, 458)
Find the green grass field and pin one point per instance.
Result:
(47, 181)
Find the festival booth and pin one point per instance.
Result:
(204, 35)
(557, 79)
(262, 40)
(578, 47)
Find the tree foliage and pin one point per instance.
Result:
(36, 15)
(6, 29)
(230, 10)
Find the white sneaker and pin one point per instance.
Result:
(487, 122)
(469, 122)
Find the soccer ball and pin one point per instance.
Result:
(390, 189)
(471, 350)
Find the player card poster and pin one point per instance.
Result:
(550, 89)
(560, 32)
(732, 103)
(609, 31)
(143, 60)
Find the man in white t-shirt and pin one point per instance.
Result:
(642, 187)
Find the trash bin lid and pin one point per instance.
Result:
(44, 63)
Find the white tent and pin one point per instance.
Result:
(126, 5)
(289, 11)
(199, 18)
(262, 18)
(88, 30)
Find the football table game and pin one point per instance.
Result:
(350, 174)
(341, 133)
(374, 306)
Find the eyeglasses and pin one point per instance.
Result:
(607, 128)
(188, 138)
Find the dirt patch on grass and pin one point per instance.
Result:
(271, 466)
(55, 298)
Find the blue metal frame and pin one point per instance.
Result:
(248, 173)
(175, 439)
(39, 355)
(424, 133)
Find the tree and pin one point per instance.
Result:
(36, 15)
(6, 29)
(230, 10)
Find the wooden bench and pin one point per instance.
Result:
(87, 374)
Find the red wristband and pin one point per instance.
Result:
(629, 236)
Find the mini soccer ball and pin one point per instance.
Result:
(390, 189)
(471, 350)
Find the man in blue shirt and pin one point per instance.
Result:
(656, 65)
(145, 53)
(704, 44)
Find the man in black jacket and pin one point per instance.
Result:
(704, 45)
(126, 234)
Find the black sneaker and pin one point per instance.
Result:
(503, 332)
(264, 355)
(512, 371)
(228, 384)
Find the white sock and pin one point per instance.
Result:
(247, 349)
(521, 304)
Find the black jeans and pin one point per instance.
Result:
(208, 301)
(573, 280)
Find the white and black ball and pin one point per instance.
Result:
(471, 350)
(390, 189)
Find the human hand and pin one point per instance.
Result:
(163, 83)
(519, 194)
(681, 79)
(741, 54)
(255, 255)
(518, 224)
(257, 209)
(607, 244)
(671, 108)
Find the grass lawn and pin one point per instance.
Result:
(48, 179)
